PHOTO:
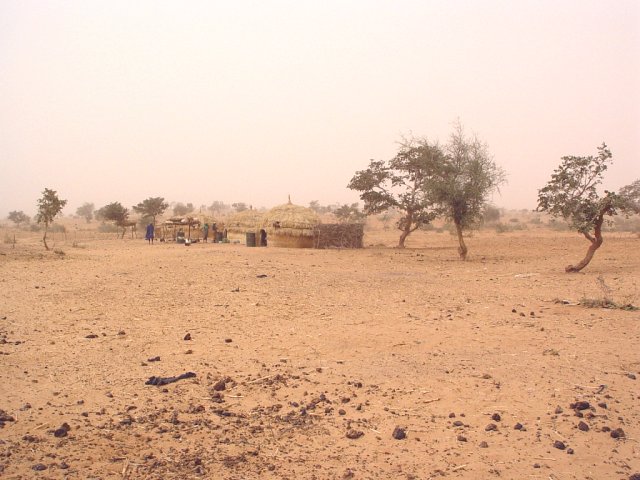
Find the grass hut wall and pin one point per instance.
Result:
(339, 235)
(241, 223)
(290, 226)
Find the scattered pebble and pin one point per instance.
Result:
(617, 433)
(559, 445)
(399, 433)
(581, 405)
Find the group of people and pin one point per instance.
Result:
(150, 234)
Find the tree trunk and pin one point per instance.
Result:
(403, 237)
(596, 242)
(44, 238)
(462, 249)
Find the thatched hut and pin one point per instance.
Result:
(291, 226)
(241, 223)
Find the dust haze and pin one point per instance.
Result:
(238, 103)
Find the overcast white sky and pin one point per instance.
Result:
(252, 101)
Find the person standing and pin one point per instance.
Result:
(205, 232)
(149, 235)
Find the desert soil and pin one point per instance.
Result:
(371, 363)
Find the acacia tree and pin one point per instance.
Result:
(116, 213)
(350, 214)
(86, 211)
(180, 209)
(630, 195)
(572, 194)
(466, 178)
(49, 206)
(151, 207)
(399, 183)
(18, 217)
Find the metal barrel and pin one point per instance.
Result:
(251, 239)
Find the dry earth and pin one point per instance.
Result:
(307, 361)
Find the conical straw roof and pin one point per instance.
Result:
(289, 219)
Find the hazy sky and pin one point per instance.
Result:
(252, 101)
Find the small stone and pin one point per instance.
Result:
(122, 332)
(228, 340)
(635, 476)
(496, 417)
(536, 465)
(570, 451)
(354, 434)
(342, 412)
(559, 445)
(603, 405)
(583, 426)
(518, 426)
(483, 444)
(220, 385)
(64, 466)
(491, 427)
(606, 429)
(462, 438)
(39, 467)
(458, 423)
(581, 405)
(60, 432)
(452, 415)
(399, 433)
(558, 410)
(187, 337)
(617, 433)
(631, 376)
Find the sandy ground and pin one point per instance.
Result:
(307, 361)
